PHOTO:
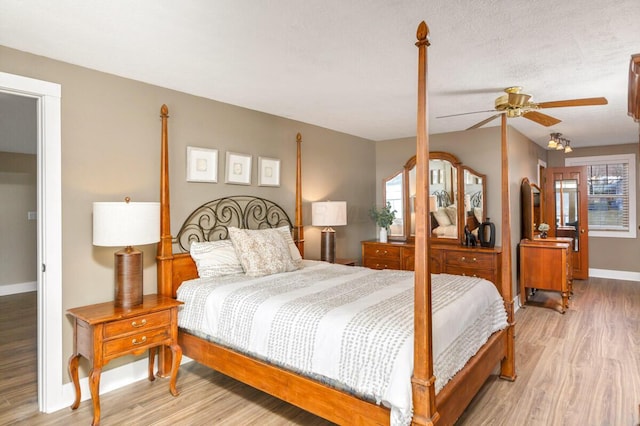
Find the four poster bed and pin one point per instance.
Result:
(321, 392)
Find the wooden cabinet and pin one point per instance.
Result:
(103, 332)
(444, 258)
(391, 255)
(480, 262)
(546, 265)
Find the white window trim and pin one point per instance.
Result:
(600, 159)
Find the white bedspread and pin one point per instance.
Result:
(346, 325)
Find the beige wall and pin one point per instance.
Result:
(111, 149)
(18, 241)
(618, 254)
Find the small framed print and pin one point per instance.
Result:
(238, 168)
(202, 164)
(268, 171)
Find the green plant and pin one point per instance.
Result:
(384, 216)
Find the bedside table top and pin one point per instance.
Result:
(103, 312)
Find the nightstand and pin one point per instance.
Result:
(348, 262)
(103, 332)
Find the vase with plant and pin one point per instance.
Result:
(383, 217)
(543, 228)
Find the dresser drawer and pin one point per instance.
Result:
(381, 263)
(137, 324)
(382, 251)
(487, 274)
(472, 259)
(134, 342)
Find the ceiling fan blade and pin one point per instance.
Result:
(485, 121)
(540, 118)
(465, 113)
(573, 102)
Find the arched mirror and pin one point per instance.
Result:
(448, 189)
(532, 209)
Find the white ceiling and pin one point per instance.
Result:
(351, 65)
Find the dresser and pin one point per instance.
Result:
(545, 264)
(444, 258)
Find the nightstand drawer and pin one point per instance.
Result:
(382, 252)
(137, 324)
(134, 342)
(471, 259)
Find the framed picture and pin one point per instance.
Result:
(202, 164)
(238, 168)
(268, 171)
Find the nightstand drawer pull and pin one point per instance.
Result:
(464, 259)
(137, 324)
(136, 342)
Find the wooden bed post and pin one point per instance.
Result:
(164, 254)
(423, 380)
(298, 228)
(508, 364)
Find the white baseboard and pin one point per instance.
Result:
(7, 289)
(110, 380)
(616, 275)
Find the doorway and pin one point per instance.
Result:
(49, 233)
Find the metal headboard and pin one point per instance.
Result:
(444, 199)
(210, 221)
(476, 199)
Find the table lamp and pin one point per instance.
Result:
(328, 214)
(125, 224)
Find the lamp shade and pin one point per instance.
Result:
(329, 213)
(118, 224)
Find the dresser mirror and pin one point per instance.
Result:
(532, 211)
(448, 190)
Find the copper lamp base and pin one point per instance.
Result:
(128, 277)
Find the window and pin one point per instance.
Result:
(612, 194)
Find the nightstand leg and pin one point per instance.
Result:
(175, 364)
(152, 360)
(94, 387)
(73, 373)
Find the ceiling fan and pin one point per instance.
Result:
(518, 104)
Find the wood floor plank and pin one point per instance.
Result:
(580, 368)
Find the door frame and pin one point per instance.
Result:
(49, 251)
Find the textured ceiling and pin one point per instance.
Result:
(351, 65)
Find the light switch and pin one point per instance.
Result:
(32, 215)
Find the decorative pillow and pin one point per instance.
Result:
(215, 258)
(293, 249)
(262, 252)
(441, 217)
(452, 212)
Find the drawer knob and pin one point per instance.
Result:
(137, 324)
(378, 251)
(139, 342)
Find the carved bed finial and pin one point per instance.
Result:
(423, 34)
(164, 110)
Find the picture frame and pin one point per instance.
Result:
(268, 171)
(238, 168)
(202, 165)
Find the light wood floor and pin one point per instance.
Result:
(580, 368)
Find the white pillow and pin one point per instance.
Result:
(262, 252)
(215, 258)
(452, 213)
(293, 249)
(441, 217)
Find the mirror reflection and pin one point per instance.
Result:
(393, 193)
(567, 207)
(474, 193)
(443, 186)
